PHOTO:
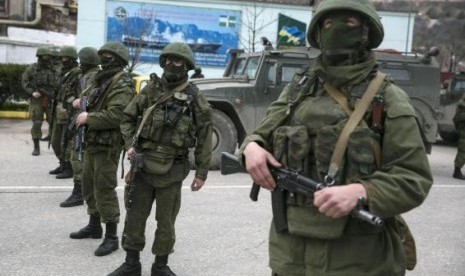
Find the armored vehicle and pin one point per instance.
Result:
(451, 92)
(419, 76)
(252, 81)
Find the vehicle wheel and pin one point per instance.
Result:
(224, 138)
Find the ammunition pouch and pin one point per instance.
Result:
(362, 148)
(291, 145)
(108, 137)
(171, 124)
(158, 160)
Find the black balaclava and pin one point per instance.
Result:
(174, 75)
(68, 64)
(44, 61)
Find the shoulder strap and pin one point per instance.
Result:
(353, 121)
(339, 97)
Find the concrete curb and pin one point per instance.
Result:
(14, 114)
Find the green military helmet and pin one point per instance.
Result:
(43, 51)
(181, 50)
(364, 7)
(116, 48)
(68, 51)
(89, 55)
(55, 51)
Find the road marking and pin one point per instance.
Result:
(30, 189)
(34, 189)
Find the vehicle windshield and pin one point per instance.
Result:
(458, 86)
(247, 67)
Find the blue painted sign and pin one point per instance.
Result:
(150, 27)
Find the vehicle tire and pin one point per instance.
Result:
(224, 138)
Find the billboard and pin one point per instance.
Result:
(150, 27)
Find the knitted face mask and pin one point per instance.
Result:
(174, 71)
(341, 41)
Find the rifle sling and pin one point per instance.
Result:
(354, 119)
(159, 101)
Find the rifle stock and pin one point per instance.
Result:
(292, 182)
(230, 164)
(137, 161)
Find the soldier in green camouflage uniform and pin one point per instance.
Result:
(40, 80)
(177, 118)
(459, 122)
(67, 92)
(89, 64)
(300, 132)
(107, 98)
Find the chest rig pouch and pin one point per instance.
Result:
(46, 80)
(172, 122)
(320, 121)
(169, 132)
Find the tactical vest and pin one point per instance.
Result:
(68, 92)
(46, 80)
(306, 144)
(172, 123)
(97, 101)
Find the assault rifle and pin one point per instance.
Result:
(137, 160)
(291, 182)
(52, 101)
(81, 137)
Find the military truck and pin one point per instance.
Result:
(252, 81)
(452, 90)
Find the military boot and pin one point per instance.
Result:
(92, 230)
(110, 242)
(58, 169)
(36, 150)
(160, 267)
(46, 138)
(131, 266)
(458, 174)
(67, 171)
(75, 199)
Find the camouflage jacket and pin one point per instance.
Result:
(44, 80)
(398, 184)
(67, 92)
(180, 120)
(105, 108)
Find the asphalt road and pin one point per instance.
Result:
(219, 230)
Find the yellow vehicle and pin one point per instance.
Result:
(140, 82)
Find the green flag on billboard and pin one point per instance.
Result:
(291, 32)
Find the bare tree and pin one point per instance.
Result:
(254, 22)
(136, 36)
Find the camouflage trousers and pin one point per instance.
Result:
(460, 156)
(75, 163)
(58, 141)
(165, 190)
(37, 111)
(99, 183)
